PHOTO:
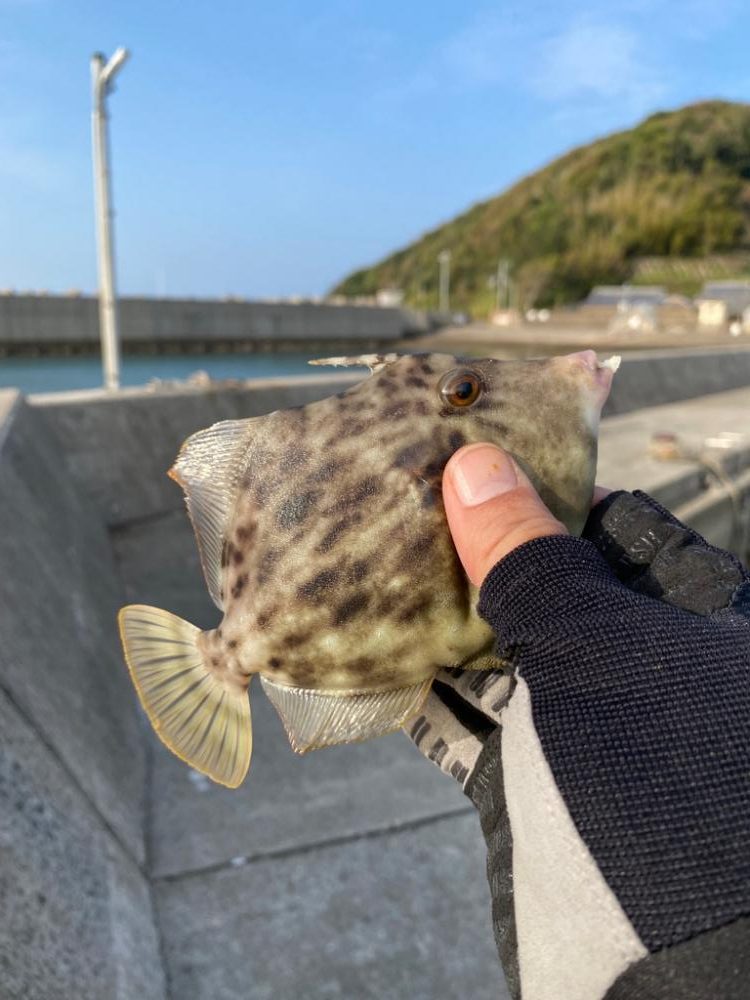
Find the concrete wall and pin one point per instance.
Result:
(354, 871)
(48, 322)
(76, 918)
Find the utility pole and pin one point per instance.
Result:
(502, 284)
(444, 281)
(102, 79)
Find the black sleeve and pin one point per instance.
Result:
(642, 710)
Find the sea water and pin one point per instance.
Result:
(54, 374)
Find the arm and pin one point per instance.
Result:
(611, 769)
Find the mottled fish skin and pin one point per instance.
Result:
(338, 570)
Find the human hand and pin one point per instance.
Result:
(612, 785)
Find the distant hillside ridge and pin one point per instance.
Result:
(675, 186)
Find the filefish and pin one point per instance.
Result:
(323, 540)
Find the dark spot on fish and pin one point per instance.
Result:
(426, 368)
(275, 662)
(238, 557)
(314, 589)
(349, 608)
(266, 564)
(496, 427)
(295, 456)
(361, 665)
(434, 469)
(303, 672)
(416, 381)
(218, 632)
(245, 534)
(294, 510)
(429, 499)
(327, 470)
(358, 571)
(239, 585)
(412, 455)
(418, 547)
(387, 604)
(334, 533)
(456, 440)
(295, 639)
(263, 491)
(417, 607)
(214, 661)
(421, 409)
(232, 643)
(368, 487)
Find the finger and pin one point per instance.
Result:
(653, 553)
(492, 508)
(600, 492)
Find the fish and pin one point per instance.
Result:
(323, 540)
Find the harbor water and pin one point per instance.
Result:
(56, 374)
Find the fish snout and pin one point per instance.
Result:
(597, 375)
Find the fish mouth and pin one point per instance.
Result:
(599, 373)
(597, 379)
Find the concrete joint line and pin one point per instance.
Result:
(301, 849)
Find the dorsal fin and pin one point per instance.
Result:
(372, 361)
(209, 468)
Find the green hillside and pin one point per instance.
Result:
(675, 186)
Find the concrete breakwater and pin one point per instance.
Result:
(355, 871)
(55, 324)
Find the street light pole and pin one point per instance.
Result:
(444, 280)
(102, 77)
(502, 283)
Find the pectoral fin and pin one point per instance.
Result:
(314, 719)
(200, 716)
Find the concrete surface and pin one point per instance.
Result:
(77, 919)
(59, 596)
(352, 872)
(119, 446)
(49, 322)
(380, 918)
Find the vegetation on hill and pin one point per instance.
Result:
(675, 186)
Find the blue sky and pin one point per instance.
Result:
(267, 149)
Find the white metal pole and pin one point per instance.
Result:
(502, 286)
(444, 260)
(101, 78)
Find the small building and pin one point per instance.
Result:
(735, 295)
(389, 297)
(712, 312)
(626, 296)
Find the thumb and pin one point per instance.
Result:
(492, 508)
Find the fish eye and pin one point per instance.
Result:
(461, 388)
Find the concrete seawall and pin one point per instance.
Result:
(54, 324)
(354, 871)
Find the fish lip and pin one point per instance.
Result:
(600, 373)
(597, 376)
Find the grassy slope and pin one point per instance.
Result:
(676, 185)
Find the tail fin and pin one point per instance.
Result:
(200, 718)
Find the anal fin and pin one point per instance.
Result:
(198, 715)
(314, 718)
